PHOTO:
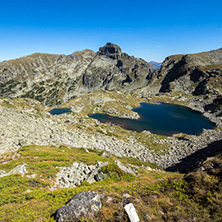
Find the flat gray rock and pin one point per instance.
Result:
(84, 203)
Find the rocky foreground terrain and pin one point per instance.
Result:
(48, 159)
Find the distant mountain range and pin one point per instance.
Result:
(155, 65)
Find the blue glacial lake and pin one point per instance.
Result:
(58, 111)
(162, 119)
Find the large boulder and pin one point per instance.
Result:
(82, 204)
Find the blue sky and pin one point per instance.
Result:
(151, 30)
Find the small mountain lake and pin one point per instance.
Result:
(59, 111)
(162, 119)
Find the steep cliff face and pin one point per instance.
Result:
(111, 69)
(54, 79)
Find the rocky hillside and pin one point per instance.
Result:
(111, 69)
(197, 76)
(54, 79)
(76, 129)
(47, 78)
(101, 187)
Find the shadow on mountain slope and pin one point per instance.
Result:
(191, 162)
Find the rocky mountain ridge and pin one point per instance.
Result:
(59, 78)
(55, 79)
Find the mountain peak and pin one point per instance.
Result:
(110, 50)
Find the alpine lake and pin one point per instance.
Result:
(161, 119)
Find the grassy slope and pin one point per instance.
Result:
(24, 192)
(159, 196)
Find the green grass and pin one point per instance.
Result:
(209, 67)
(176, 198)
(137, 162)
(31, 198)
(45, 160)
(164, 196)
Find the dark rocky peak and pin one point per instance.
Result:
(110, 50)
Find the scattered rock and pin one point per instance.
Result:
(51, 130)
(131, 211)
(21, 169)
(106, 154)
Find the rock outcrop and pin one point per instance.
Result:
(20, 169)
(82, 204)
(131, 211)
(212, 165)
(75, 174)
(198, 74)
(126, 168)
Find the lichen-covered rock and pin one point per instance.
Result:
(126, 168)
(82, 204)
